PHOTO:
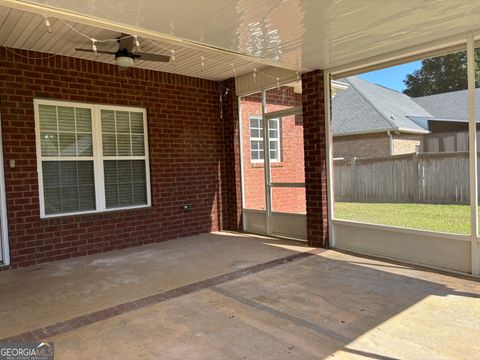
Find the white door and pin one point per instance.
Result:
(273, 174)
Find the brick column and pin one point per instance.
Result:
(313, 105)
(231, 172)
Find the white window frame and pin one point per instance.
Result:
(277, 139)
(98, 158)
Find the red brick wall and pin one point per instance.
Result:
(232, 194)
(186, 154)
(315, 158)
(290, 168)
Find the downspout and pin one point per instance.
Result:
(390, 142)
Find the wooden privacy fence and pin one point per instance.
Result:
(431, 178)
(446, 142)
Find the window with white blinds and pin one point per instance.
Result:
(91, 157)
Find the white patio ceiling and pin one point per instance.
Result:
(294, 34)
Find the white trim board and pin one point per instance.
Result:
(4, 244)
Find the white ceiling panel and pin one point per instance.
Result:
(304, 34)
(294, 34)
(25, 30)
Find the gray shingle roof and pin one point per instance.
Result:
(366, 107)
(449, 106)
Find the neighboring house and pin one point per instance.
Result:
(371, 121)
(286, 148)
(449, 122)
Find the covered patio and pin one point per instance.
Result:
(236, 296)
(167, 188)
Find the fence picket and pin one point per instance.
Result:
(432, 178)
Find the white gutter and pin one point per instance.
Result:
(366, 132)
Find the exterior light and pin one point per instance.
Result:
(124, 61)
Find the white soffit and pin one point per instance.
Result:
(266, 78)
(307, 34)
(26, 30)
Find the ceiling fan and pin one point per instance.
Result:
(125, 56)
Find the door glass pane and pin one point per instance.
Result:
(252, 151)
(400, 148)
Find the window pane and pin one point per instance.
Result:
(53, 202)
(125, 183)
(109, 145)
(123, 122)
(67, 144)
(68, 186)
(84, 120)
(70, 200)
(274, 151)
(108, 121)
(273, 145)
(138, 171)
(273, 124)
(123, 145)
(51, 174)
(110, 176)
(48, 117)
(49, 144)
(68, 173)
(136, 120)
(125, 195)
(139, 193)
(59, 125)
(138, 146)
(87, 196)
(84, 144)
(122, 133)
(66, 119)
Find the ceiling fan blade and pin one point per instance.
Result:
(126, 42)
(152, 57)
(98, 51)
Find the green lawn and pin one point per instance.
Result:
(443, 218)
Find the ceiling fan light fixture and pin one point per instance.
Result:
(125, 61)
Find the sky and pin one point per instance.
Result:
(392, 77)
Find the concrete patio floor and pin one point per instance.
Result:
(237, 296)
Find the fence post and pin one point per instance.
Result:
(415, 178)
(353, 187)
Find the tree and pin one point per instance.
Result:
(441, 74)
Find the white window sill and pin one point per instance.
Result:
(99, 212)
